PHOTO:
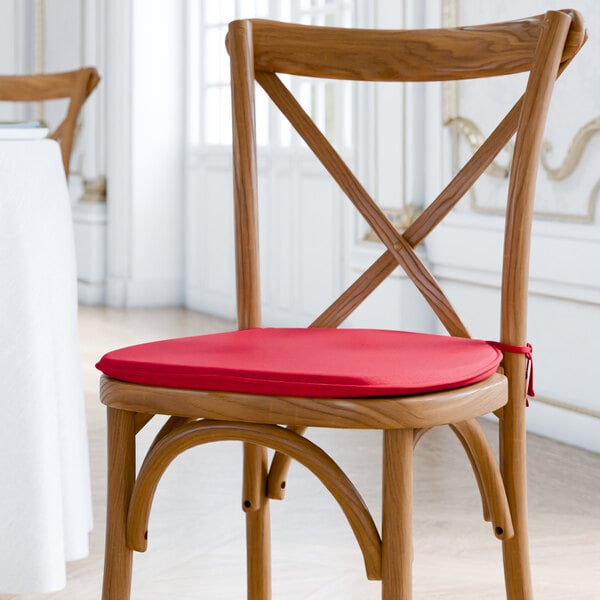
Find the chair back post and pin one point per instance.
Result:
(239, 45)
(548, 63)
(245, 192)
(523, 174)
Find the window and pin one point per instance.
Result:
(209, 112)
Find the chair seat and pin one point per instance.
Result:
(324, 363)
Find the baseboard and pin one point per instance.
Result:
(91, 293)
(567, 426)
(149, 293)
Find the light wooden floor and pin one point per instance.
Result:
(196, 548)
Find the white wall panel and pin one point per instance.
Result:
(564, 312)
(145, 69)
(209, 241)
(318, 233)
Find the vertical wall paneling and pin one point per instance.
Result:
(16, 48)
(209, 233)
(89, 181)
(8, 48)
(145, 58)
(119, 108)
(157, 170)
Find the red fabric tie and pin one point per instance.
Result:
(528, 352)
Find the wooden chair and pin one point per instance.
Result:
(74, 85)
(248, 384)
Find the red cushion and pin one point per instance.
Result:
(326, 363)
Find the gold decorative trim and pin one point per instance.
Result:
(460, 125)
(94, 190)
(401, 219)
(475, 138)
(574, 152)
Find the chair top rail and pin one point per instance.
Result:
(403, 55)
(46, 86)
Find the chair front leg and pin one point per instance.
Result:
(396, 529)
(121, 477)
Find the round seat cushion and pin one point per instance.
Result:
(324, 363)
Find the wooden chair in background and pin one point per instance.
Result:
(74, 85)
(264, 387)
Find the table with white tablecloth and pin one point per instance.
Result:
(45, 498)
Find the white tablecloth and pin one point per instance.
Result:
(45, 499)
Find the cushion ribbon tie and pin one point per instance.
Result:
(528, 352)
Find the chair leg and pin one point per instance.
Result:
(258, 524)
(517, 574)
(396, 529)
(258, 544)
(121, 476)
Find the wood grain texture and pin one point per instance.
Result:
(487, 474)
(543, 45)
(121, 477)
(515, 275)
(426, 55)
(302, 450)
(366, 206)
(245, 192)
(396, 525)
(280, 464)
(423, 410)
(258, 521)
(74, 85)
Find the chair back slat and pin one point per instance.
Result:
(368, 208)
(352, 298)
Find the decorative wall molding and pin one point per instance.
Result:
(574, 152)
(588, 412)
(401, 219)
(475, 138)
(573, 157)
(465, 129)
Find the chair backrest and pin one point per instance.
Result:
(74, 85)
(542, 45)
